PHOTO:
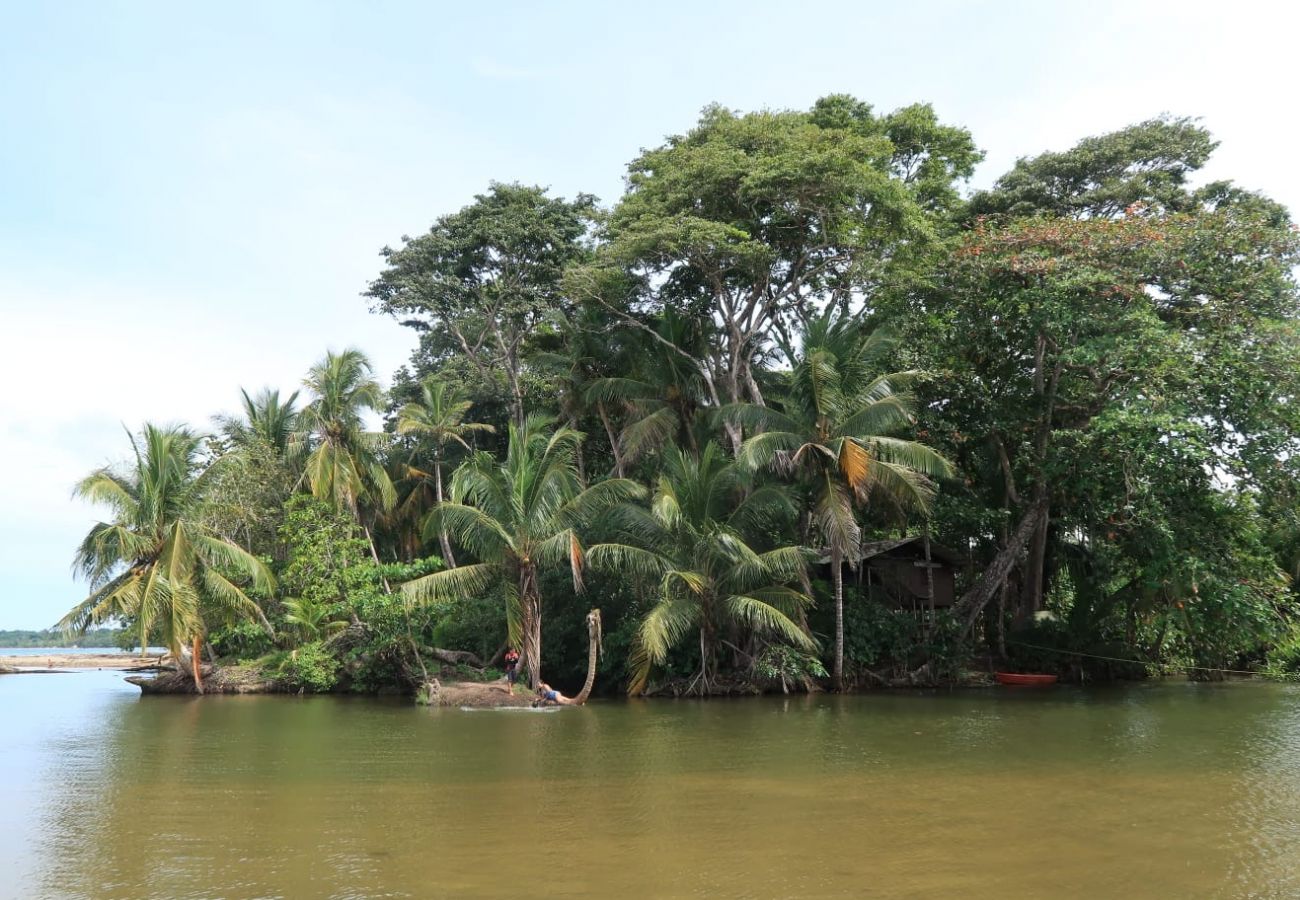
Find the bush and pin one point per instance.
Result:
(1283, 660)
(241, 640)
(310, 668)
(786, 665)
(898, 640)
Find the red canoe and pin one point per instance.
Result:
(1013, 678)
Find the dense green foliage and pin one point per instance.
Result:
(793, 336)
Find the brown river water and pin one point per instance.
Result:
(1154, 790)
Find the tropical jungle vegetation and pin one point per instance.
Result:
(795, 334)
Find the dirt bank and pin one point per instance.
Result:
(58, 660)
(479, 695)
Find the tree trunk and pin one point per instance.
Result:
(975, 599)
(442, 534)
(1032, 601)
(374, 554)
(837, 575)
(613, 440)
(196, 662)
(531, 602)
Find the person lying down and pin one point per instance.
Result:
(549, 696)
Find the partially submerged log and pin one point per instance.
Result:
(8, 670)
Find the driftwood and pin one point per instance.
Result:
(456, 657)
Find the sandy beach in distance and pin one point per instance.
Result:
(59, 660)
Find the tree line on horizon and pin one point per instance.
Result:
(795, 332)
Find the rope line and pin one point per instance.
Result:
(1182, 666)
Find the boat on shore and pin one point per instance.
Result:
(1022, 679)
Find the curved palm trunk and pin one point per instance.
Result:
(837, 575)
(197, 664)
(593, 650)
(442, 535)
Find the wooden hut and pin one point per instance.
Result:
(902, 573)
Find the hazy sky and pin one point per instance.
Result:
(192, 196)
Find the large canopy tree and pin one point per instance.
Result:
(154, 563)
(516, 518)
(756, 223)
(835, 428)
(696, 549)
(484, 279)
(1051, 330)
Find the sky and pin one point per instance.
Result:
(193, 196)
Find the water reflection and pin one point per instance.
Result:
(1148, 791)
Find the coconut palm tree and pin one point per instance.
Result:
(835, 431)
(266, 418)
(343, 465)
(154, 562)
(439, 417)
(311, 618)
(516, 518)
(694, 545)
(662, 399)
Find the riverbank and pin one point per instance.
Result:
(60, 660)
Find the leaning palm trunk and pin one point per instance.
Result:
(374, 554)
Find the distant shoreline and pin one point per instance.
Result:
(57, 658)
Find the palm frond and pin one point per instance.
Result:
(450, 585)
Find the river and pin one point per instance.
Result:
(1154, 790)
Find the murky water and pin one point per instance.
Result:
(1169, 790)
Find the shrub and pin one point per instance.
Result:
(785, 665)
(310, 668)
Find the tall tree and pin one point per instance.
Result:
(1148, 163)
(343, 464)
(154, 563)
(835, 429)
(755, 223)
(1053, 329)
(517, 518)
(488, 276)
(439, 417)
(696, 547)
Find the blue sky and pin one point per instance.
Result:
(192, 196)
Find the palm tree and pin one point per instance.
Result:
(266, 418)
(516, 518)
(439, 416)
(661, 401)
(311, 618)
(693, 545)
(833, 432)
(154, 561)
(343, 465)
